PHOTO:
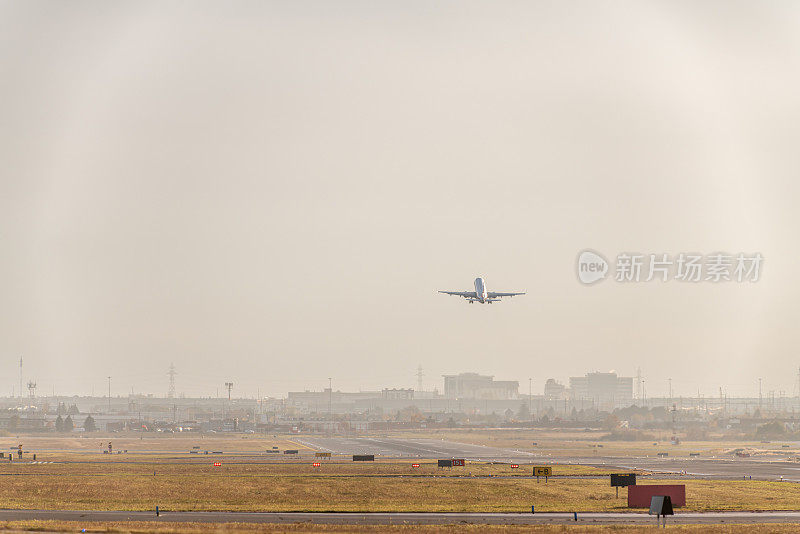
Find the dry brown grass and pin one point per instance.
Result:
(572, 443)
(94, 464)
(323, 493)
(251, 481)
(302, 528)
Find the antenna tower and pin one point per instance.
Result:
(171, 373)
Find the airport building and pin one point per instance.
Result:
(322, 401)
(554, 391)
(602, 391)
(397, 394)
(475, 386)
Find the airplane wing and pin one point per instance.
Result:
(494, 295)
(465, 294)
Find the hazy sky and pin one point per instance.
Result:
(271, 193)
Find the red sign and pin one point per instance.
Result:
(414, 465)
(458, 462)
(639, 496)
(217, 464)
(514, 466)
(315, 464)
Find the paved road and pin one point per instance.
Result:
(401, 518)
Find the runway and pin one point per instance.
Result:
(421, 448)
(406, 518)
(414, 448)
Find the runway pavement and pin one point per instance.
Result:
(421, 448)
(413, 448)
(717, 468)
(408, 518)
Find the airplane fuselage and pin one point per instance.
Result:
(480, 290)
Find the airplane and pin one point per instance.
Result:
(480, 294)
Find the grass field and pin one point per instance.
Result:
(236, 466)
(302, 528)
(549, 443)
(580, 443)
(174, 487)
(159, 471)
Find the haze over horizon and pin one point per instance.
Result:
(271, 193)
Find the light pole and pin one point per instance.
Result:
(644, 394)
(759, 394)
(109, 394)
(530, 398)
(330, 401)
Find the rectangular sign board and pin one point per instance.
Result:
(322, 454)
(288, 451)
(458, 462)
(363, 457)
(661, 505)
(639, 496)
(623, 480)
(542, 471)
(445, 463)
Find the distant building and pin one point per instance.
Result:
(319, 401)
(397, 394)
(475, 386)
(603, 391)
(554, 391)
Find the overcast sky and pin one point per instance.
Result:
(271, 193)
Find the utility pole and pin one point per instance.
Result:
(330, 401)
(759, 394)
(228, 386)
(797, 384)
(670, 389)
(20, 377)
(109, 394)
(639, 384)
